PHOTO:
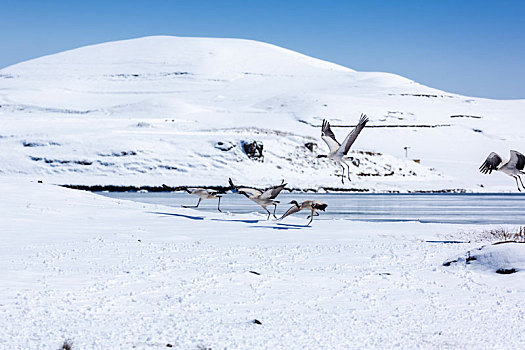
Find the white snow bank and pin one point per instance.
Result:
(502, 258)
(109, 273)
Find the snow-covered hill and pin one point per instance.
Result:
(179, 110)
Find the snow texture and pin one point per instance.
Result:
(114, 274)
(110, 273)
(160, 109)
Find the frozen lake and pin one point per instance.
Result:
(426, 208)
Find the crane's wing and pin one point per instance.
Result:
(517, 160)
(290, 211)
(250, 191)
(247, 191)
(273, 192)
(491, 163)
(328, 136)
(350, 139)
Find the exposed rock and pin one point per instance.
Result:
(355, 161)
(254, 150)
(312, 146)
(224, 146)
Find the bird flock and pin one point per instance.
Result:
(337, 152)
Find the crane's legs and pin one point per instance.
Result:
(268, 218)
(311, 217)
(192, 206)
(347, 171)
(519, 177)
(219, 205)
(274, 209)
(517, 184)
(342, 164)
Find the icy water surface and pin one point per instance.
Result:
(430, 208)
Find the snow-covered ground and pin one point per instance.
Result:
(114, 274)
(109, 273)
(154, 110)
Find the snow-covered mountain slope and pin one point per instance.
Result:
(179, 110)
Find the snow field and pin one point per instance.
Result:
(112, 273)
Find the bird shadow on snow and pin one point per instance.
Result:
(179, 215)
(278, 226)
(203, 218)
(282, 227)
(238, 220)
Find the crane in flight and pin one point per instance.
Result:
(513, 167)
(339, 150)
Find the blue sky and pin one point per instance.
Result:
(475, 48)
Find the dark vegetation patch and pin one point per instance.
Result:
(465, 116)
(381, 126)
(61, 161)
(119, 188)
(39, 144)
(169, 167)
(506, 271)
(446, 190)
(423, 95)
(138, 75)
(220, 189)
(505, 235)
(397, 126)
(376, 174)
(118, 154)
(108, 164)
(369, 153)
(66, 345)
(338, 189)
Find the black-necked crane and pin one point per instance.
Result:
(339, 150)
(264, 199)
(313, 206)
(203, 193)
(514, 166)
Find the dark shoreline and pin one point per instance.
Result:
(165, 188)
